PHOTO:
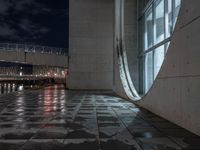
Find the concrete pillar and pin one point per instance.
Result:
(91, 44)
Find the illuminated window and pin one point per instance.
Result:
(159, 21)
(148, 70)
(156, 26)
(159, 55)
(149, 29)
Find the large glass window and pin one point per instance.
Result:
(149, 28)
(148, 70)
(168, 19)
(176, 9)
(159, 55)
(158, 23)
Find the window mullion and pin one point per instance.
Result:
(166, 19)
(173, 15)
(154, 32)
(153, 22)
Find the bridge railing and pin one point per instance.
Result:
(20, 77)
(32, 48)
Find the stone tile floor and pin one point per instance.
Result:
(55, 119)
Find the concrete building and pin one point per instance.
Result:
(145, 50)
(133, 82)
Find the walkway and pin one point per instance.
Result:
(55, 119)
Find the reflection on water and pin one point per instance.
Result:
(48, 104)
(21, 87)
(54, 100)
(19, 109)
(6, 88)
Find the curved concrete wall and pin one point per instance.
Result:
(130, 38)
(175, 93)
(126, 70)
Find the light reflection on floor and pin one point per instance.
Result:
(54, 118)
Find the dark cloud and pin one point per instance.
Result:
(31, 28)
(4, 7)
(42, 22)
(7, 31)
(20, 5)
(24, 20)
(15, 8)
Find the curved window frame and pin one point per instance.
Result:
(154, 37)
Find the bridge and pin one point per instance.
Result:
(34, 54)
(32, 64)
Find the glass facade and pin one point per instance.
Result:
(159, 21)
(149, 29)
(156, 25)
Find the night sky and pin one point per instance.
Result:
(42, 22)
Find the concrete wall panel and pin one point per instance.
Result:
(12, 56)
(91, 44)
(47, 59)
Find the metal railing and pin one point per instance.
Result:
(32, 48)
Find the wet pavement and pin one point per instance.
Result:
(56, 119)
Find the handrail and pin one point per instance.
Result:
(15, 77)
